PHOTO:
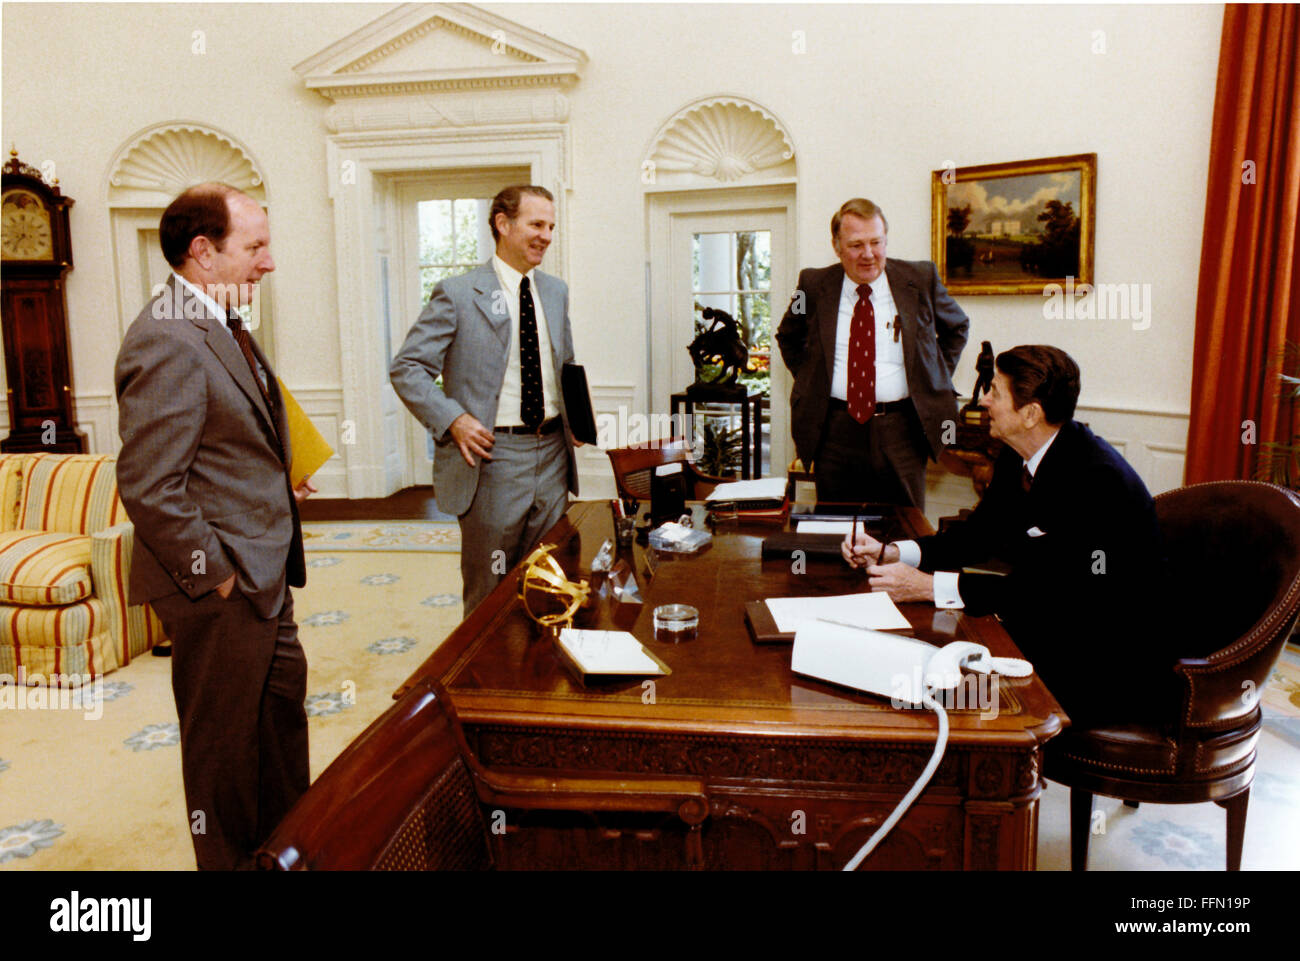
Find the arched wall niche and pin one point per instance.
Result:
(719, 140)
(156, 164)
(146, 173)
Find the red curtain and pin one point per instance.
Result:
(1248, 297)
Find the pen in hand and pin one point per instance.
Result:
(854, 542)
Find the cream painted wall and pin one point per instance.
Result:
(882, 96)
(123, 67)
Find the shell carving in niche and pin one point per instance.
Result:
(173, 159)
(724, 140)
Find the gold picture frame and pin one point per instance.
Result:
(1013, 228)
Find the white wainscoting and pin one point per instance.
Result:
(96, 415)
(97, 418)
(324, 407)
(616, 419)
(1154, 442)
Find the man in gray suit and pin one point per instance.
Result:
(872, 344)
(499, 337)
(203, 473)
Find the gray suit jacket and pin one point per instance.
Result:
(464, 335)
(934, 333)
(201, 472)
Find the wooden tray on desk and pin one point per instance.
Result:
(762, 626)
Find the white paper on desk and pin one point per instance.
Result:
(824, 527)
(883, 664)
(607, 652)
(874, 610)
(765, 488)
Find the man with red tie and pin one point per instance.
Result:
(872, 344)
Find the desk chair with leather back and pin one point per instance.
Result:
(1234, 554)
(633, 467)
(408, 795)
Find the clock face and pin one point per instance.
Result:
(25, 227)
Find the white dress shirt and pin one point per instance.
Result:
(511, 388)
(891, 376)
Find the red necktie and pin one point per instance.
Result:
(862, 358)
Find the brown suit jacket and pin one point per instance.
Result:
(934, 332)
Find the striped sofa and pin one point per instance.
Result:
(65, 558)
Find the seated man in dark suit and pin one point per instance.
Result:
(1078, 529)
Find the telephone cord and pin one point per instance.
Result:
(917, 788)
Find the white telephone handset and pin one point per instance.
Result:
(903, 669)
(943, 670)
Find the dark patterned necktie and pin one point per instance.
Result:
(245, 343)
(862, 358)
(246, 347)
(530, 360)
(1026, 479)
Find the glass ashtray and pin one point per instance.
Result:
(674, 623)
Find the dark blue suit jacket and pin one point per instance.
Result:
(1086, 572)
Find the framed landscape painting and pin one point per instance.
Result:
(1012, 228)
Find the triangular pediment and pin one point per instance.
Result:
(439, 46)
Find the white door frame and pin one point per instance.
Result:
(358, 166)
(672, 217)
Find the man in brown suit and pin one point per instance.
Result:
(203, 473)
(872, 343)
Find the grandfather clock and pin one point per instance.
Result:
(35, 256)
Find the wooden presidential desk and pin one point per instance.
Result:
(799, 773)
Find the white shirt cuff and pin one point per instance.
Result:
(945, 590)
(909, 552)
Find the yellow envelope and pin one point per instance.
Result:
(310, 450)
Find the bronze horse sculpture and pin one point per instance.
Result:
(720, 343)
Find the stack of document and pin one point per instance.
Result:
(753, 500)
(826, 527)
(778, 619)
(750, 494)
(875, 611)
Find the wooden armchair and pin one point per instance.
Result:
(1239, 540)
(633, 467)
(409, 795)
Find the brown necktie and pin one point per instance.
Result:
(862, 358)
(246, 345)
(245, 342)
(1026, 478)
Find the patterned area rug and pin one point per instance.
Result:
(100, 788)
(1281, 700)
(384, 536)
(1162, 837)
